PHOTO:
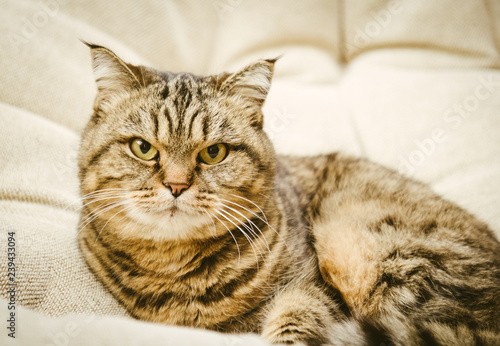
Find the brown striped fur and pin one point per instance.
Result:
(325, 249)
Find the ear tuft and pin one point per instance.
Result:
(252, 82)
(113, 76)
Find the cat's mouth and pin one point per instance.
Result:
(171, 221)
(174, 217)
(173, 210)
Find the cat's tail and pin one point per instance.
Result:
(395, 331)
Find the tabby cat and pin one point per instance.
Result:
(189, 218)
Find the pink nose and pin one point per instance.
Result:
(176, 188)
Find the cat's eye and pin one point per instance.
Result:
(143, 149)
(213, 154)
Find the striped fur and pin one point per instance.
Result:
(318, 250)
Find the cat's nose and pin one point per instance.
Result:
(176, 188)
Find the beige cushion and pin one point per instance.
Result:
(412, 85)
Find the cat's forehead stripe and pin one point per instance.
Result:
(182, 106)
(168, 118)
(183, 94)
(155, 124)
(205, 126)
(191, 121)
(165, 91)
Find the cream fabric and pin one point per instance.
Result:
(412, 85)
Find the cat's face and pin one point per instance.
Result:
(165, 155)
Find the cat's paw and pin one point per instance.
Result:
(280, 332)
(298, 316)
(287, 339)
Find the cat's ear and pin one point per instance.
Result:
(251, 84)
(113, 76)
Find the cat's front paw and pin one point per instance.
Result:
(290, 334)
(296, 327)
(298, 315)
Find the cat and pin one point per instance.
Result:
(190, 218)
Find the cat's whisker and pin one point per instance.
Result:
(102, 198)
(255, 204)
(211, 219)
(249, 210)
(103, 194)
(75, 201)
(89, 220)
(114, 189)
(132, 218)
(119, 211)
(98, 212)
(88, 196)
(250, 241)
(251, 228)
(232, 235)
(260, 218)
(253, 237)
(92, 215)
(244, 224)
